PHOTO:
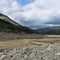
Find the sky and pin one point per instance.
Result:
(32, 12)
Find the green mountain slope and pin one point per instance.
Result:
(50, 30)
(8, 25)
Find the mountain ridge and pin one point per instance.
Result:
(8, 25)
(50, 30)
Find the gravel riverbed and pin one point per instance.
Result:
(43, 52)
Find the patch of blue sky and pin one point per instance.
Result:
(25, 2)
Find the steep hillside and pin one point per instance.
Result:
(8, 25)
(50, 30)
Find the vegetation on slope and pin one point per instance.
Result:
(50, 30)
(8, 25)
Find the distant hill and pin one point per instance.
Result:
(8, 25)
(50, 30)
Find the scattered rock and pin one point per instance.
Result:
(43, 52)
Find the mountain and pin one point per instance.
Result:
(8, 25)
(50, 30)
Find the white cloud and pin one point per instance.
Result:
(35, 13)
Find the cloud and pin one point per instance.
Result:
(43, 11)
(36, 13)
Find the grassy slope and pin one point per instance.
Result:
(7, 24)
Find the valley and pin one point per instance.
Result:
(19, 42)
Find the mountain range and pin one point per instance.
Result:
(9, 25)
(50, 30)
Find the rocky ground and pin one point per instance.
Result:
(43, 52)
(14, 36)
(47, 48)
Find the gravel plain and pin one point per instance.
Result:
(36, 47)
(43, 52)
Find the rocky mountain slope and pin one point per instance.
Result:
(8, 25)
